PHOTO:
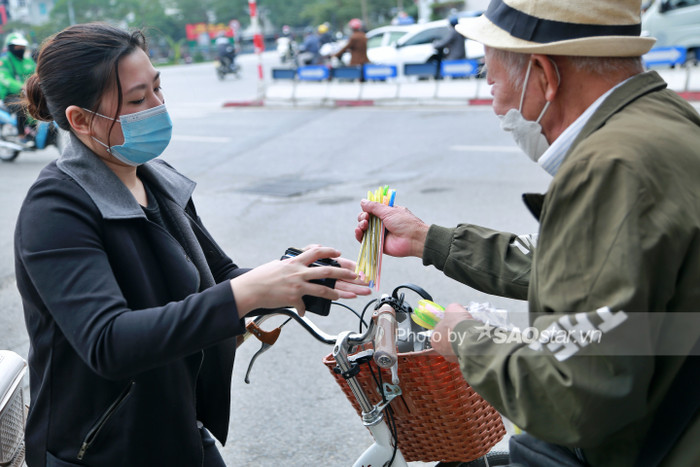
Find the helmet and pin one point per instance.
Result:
(323, 28)
(355, 24)
(454, 20)
(286, 29)
(15, 38)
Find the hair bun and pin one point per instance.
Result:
(34, 99)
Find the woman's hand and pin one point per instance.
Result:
(405, 233)
(348, 289)
(284, 283)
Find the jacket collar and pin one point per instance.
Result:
(633, 89)
(112, 198)
(628, 92)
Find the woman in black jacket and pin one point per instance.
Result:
(132, 308)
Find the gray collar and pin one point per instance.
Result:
(112, 198)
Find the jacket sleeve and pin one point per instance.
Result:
(8, 83)
(584, 369)
(73, 280)
(493, 262)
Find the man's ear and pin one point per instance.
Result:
(550, 78)
(80, 120)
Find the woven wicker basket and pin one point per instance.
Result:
(438, 416)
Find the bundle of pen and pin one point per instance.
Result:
(369, 262)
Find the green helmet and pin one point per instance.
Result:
(16, 38)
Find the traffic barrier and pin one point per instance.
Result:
(668, 56)
(348, 85)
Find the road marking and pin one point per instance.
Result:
(486, 148)
(201, 139)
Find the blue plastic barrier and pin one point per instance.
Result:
(347, 72)
(420, 69)
(313, 73)
(284, 73)
(380, 72)
(459, 68)
(664, 56)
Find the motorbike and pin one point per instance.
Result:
(42, 135)
(287, 49)
(228, 64)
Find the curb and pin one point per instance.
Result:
(254, 103)
(690, 96)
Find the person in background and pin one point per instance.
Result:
(131, 307)
(612, 277)
(225, 50)
(403, 19)
(357, 45)
(453, 43)
(15, 66)
(325, 36)
(310, 49)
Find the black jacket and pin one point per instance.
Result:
(125, 354)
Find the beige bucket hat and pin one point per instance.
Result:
(589, 28)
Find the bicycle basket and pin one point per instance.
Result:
(439, 417)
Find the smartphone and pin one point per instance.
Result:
(317, 305)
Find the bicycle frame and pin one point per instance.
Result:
(383, 319)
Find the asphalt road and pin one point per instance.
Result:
(269, 178)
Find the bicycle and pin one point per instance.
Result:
(367, 366)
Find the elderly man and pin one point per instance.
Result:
(613, 277)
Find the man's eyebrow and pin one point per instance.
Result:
(140, 86)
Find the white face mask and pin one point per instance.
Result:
(526, 133)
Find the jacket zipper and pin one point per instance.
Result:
(95, 430)
(184, 252)
(196, 378)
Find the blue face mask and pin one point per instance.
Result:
(146, 135)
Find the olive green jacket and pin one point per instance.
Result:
(618, 255)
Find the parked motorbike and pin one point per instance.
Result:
(41, 135)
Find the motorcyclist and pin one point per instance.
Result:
(310, 48)
(225, 51)
(325, 36)
(15, 68)
(357, 44)
(286, 46)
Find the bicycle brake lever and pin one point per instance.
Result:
(263, 348)
(268, 338)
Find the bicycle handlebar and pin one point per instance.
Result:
(385, 336)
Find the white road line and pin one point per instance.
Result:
(201, 139)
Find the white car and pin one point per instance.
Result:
(416, 45)
(674, 23)
(386, 36)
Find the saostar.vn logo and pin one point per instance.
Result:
(563, 337)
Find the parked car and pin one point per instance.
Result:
(386, 35)
(674, 23)
(416, 44)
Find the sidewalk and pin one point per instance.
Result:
(405, 91)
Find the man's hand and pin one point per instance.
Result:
(444, 331)
(405, 233)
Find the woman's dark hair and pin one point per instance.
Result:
(76, 67)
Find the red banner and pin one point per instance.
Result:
(194, 31)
